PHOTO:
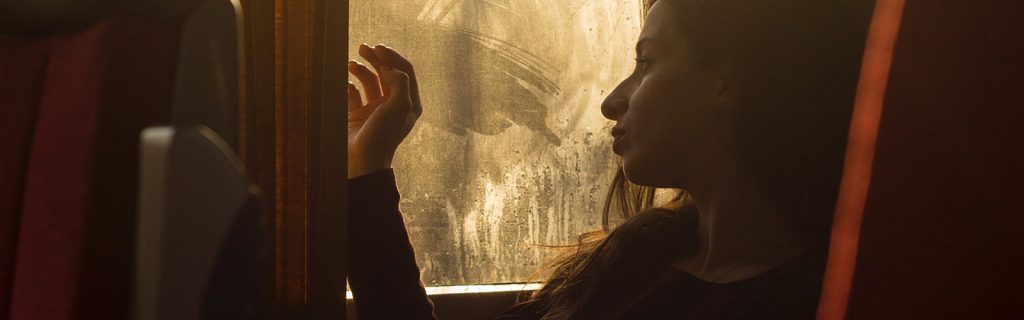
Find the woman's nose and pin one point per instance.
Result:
(615, 105)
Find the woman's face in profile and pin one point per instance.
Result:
(671, 126)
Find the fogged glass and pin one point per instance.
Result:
(511, 153)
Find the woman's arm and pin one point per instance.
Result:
(383, 275)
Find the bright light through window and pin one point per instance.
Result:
(512, 152)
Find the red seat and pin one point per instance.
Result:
(19, 96)
(77, 102)
(929, 223)
(73, 107)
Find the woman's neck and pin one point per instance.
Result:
(740, 235)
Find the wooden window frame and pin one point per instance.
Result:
(294, 149)
(292, 143)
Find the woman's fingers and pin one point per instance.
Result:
(367, 53)
(371, 85)
(354, 100)
(392, 58)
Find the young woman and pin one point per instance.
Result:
(742, 105)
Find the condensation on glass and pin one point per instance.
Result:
(511, 153)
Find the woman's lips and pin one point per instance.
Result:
(618, 132)
(618, 145)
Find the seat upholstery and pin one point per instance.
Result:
(942, 228)
(85, 97)
(19, 96)
(198, 221)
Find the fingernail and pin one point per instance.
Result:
(364, 45)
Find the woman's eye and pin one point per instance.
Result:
(641, 63)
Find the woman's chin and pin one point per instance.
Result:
(640, 174)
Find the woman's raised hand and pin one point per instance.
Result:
(378, 125)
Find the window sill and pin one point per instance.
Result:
(487, 288)
(469, 302)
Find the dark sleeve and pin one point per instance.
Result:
(383, 274)
(529, 310)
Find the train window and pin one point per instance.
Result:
(512, 153)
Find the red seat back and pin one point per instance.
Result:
(19, 96)
(939, 233)
(78, 102)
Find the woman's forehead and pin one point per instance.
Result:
(660, 23)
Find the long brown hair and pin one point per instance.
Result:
(591, 277)
(799, 61)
